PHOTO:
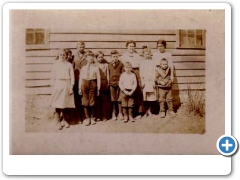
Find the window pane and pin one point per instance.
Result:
(29, 36)
(199, 40)
(39, 38)
(191, 38)
(199, 32)
(183, 38)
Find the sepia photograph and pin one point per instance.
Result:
(165, 92)
(126, 77)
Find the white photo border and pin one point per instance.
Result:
(117, 164)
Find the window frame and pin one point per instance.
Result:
(178, 40)
(38, 46)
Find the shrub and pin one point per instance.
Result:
(195, 102)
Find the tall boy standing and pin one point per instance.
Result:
(115, 70)
(78, 62)
(89, 87)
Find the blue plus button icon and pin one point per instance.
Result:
(227, 145)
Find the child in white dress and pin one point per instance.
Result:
(62, 81)
(147, 74)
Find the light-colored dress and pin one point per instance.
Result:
(62, 80)
(147, 74)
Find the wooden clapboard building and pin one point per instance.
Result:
(186, 45)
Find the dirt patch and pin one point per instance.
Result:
(39, 118)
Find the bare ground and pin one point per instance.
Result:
(39, 118)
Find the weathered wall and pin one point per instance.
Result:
(189, 63)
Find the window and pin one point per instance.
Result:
(37, 38)
(190, 38)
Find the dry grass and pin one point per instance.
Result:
(195, 102)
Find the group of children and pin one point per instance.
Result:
(86, 81)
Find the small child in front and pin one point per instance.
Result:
(164, 84)
(127, 84)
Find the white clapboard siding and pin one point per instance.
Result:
(39, 90)
(178, 66)
(184, 52)
(39, 60)
(110, 32)
(54, 52)
(185, 74)
(189, 63)
(189, 73)
(107, 45)
(176, 59)
(38, 67)
(180, 59)
(108, 37)
(37, 83)
(37, 75)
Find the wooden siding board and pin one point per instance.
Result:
(38, 76)
(39, 60)
(184, 52)
(38, 67)
(185, 86)
(178, 66)
(142, 32)
(39, 90)
(107, 37)
(54, 52)
(181, 59)
(37, 83)
(182, 75)
(176, 59)
(190, 72)
(41, 53)
(107, 45)
(189, 65)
